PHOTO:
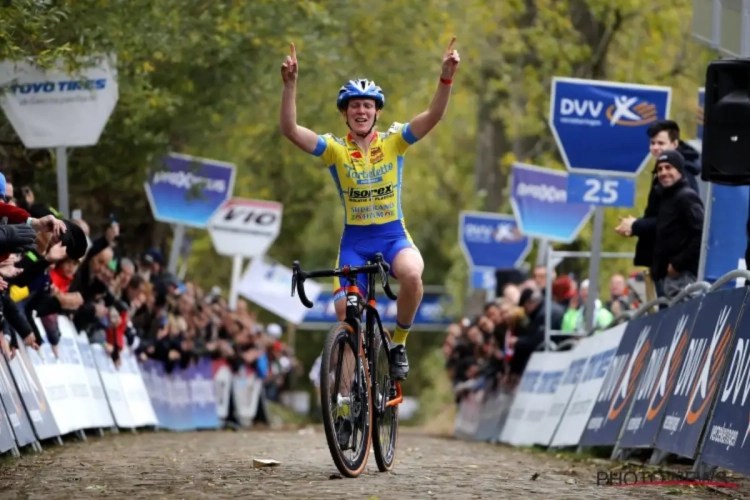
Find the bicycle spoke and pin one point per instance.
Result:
(345, 403)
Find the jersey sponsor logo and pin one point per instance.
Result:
(378, 215)
(368, 176)
(376, 155)
(378, 207)
(375, 212)
(357, 194)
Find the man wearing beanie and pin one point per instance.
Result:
(663, 135)
(679, 226)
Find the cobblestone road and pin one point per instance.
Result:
(219, 465)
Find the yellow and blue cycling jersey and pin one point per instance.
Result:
(370, 194)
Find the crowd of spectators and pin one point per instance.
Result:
(492, 349)
(122, 301)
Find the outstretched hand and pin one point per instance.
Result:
(289, 66)
(450, 61)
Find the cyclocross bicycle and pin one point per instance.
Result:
(356, 389)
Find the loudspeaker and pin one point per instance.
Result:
(726, 123)
(506, 276)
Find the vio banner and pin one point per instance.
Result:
(700, 373)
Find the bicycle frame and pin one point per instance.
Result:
(355, 305)
(354, 309)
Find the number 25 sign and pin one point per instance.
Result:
(601, 190)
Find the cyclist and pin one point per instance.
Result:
(367, 167)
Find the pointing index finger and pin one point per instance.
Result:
(450, 45)
(294, 51)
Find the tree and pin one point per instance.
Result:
(202, 78)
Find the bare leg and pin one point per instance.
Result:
(407, 267)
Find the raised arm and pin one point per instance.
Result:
(421, 124)
(302, 137)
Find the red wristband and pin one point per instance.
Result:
(446, 81)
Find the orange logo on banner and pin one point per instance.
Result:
(714, 375)
(674, 368)
(638, 365)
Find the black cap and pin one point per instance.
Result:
(674, 158)
(74, 240)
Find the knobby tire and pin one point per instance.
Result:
(385, 425)
(339, 333)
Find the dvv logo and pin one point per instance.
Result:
(631, 112)
(487, 233)
(625, 110)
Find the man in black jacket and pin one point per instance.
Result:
(663, 135)
(679, 226)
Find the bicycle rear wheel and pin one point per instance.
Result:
(385, 428)
(346, 405)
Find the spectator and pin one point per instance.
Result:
(477, 360)
(679, 227)
(602, 316)
(663, 135)
(565, 293)
(540, 277)
(51, 267)
(619, 301)
(511, 294)
(532, 301)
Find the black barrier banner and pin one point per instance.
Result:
(728, 440)
(658, 381)
(610, 410)
(11, 400)
(700, 373)
(33, 395)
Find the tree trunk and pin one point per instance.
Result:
(494, 135)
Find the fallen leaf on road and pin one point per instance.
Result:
(259, 463)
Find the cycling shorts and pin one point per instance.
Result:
(359, 244)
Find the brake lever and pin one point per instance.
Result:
(383, 275)
(294, 281)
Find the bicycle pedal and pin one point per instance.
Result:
(395, 396)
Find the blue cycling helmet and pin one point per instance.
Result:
(360, 88)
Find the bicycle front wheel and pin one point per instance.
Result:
(346, 401)
(385, 429)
